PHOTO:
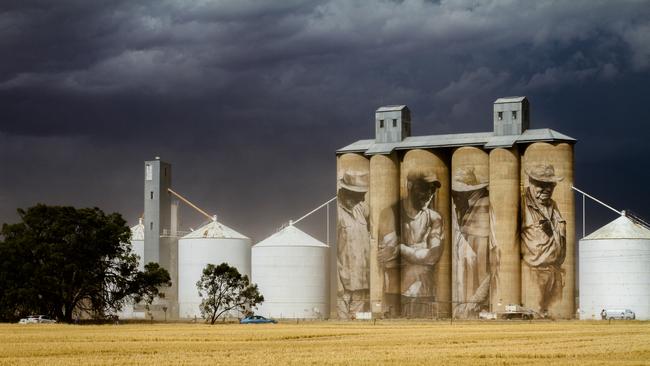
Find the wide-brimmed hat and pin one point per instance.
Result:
(465, 180)
(354, 181)
(424, 175)
(543, 173)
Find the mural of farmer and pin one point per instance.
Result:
(353, 240)
(473, 247)
(421, 244)
(543, 238)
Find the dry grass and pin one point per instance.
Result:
(387, 342)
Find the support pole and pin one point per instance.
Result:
(314, 210)
(597, 200)
(211, 217)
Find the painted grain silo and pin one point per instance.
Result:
(504, 225)
(385, 228)
(547, 230)
(291, 270)
(480, 184)
(352, 262)
(470, 221)
(425, 258)
(614, 269)
(213, 243)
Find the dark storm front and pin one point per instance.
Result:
(433, 230)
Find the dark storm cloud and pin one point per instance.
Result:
(229, 91)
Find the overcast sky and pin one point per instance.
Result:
(250, 99)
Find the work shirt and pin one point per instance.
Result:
(543, 233)
(353, 241)
(422, 236)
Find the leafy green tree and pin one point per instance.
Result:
(59, 260)
(223, 289)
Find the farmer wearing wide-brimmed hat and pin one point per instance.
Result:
(471, 243)
(353, 240)
(543, 237)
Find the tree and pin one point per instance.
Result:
(223, 289)
(61, 259)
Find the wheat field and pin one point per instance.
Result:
(383, 342)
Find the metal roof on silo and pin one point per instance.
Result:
(291, 236)
(510, 100)
(389, 108)
(621, 228)
(137, 231)
(214, 229)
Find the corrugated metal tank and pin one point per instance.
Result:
(614, 270)
(213, 243)
(291, 270)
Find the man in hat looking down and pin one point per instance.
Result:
(472, 242)
(543, 237)
(353, 240)
(420, 245)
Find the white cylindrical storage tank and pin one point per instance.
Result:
(291, 271)
(130, 310)
(213, 243)
(137, 243)
(614, 270)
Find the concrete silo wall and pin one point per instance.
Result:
(548, 230)
(353, 236)
(425, 254)
(384, 235)
(504, 202)
(472, 248)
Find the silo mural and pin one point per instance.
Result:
(461, 224)
(474, 254)
(353, 236)
(547, 216)
(504, 202)
(385, 233)
(424, 243)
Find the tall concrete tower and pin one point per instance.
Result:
(157, 207)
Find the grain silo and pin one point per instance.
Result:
(291, 270)
(614, 270)
(213, 243)
(137, 243)
(495, 173)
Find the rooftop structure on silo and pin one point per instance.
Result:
(393, 131)
(392, 123)
(511, 116)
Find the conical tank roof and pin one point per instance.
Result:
(137, 231)
(214, 229)
(291, 236)
(621, 228)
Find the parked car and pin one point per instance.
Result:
(36, 319)
(617, 314)
(256, 319)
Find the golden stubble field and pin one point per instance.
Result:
(386, 342)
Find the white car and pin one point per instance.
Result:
(35, 319)
(625, 314)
